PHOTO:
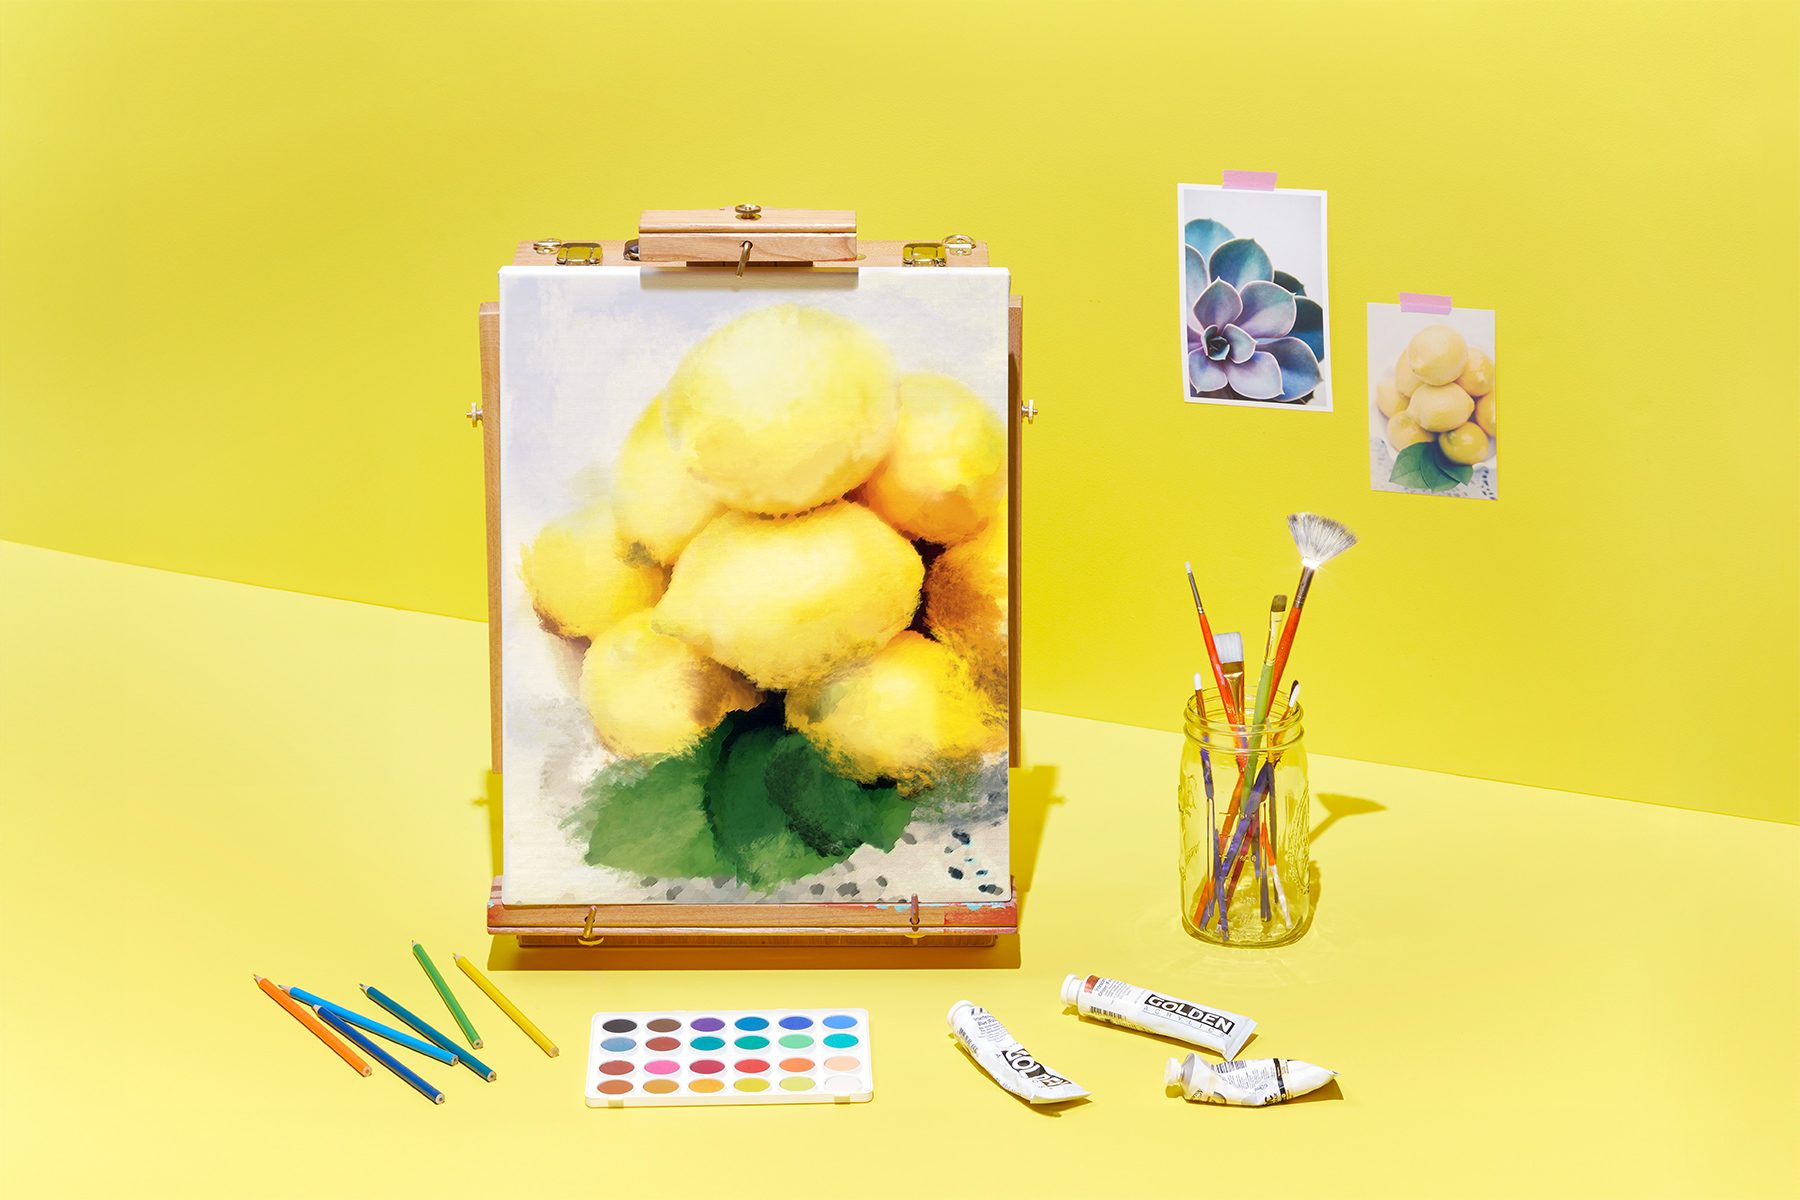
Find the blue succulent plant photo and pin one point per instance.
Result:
(1252, 331)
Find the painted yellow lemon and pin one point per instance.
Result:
(1440, 408)
(1405, 382)
(1437, 354)
(1487, 414)
(1388, 398)
(651, 694)
(1403, 431)
(787, 600)
(582, 577)
(783, 409)
(1477, 376)
(1464, 444)
(910, 714)
(947, 469)
(966, 603)
(656, 503)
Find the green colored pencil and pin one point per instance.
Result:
(449, 997)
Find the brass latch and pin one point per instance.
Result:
(586, 936)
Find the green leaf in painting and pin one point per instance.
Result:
(831, 814)
(753, 833)
(1422, 465)
(650, 818)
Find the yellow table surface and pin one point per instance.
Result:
(1527, 992)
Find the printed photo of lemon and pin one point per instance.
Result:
(1439, 408)
(1437, 354)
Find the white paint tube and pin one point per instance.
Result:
(1252, 1082)
(1012, 1066)
(1222, 1032)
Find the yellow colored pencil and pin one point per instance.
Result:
(506, 1006)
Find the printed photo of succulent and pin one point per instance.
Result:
(1433, 403)
(755, 644)
(1253, 333)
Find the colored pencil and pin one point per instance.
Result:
(463, 1056)
(304, 1015)
(448, 996)
(381, 1056)
(447, 1057)
(506, 1006)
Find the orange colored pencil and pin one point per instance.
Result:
(304, 1015)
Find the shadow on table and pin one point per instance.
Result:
(1338, 806)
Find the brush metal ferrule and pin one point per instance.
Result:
(1306, 578)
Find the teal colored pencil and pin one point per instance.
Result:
(447, 1057)
(379, 1055)
(448, 996)
(468, 1060)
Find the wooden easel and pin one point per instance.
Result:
(740, 239)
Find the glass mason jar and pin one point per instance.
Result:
(1245, 826)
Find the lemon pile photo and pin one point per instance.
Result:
(1441, 408)
(794, 604)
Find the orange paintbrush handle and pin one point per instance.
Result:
(1290, 627)
(1233, 713)
(304, 1015)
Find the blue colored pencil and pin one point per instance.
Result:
(378, 1054)
(447, 1057)
(468, 1060)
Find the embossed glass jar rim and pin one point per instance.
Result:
(1283, 728)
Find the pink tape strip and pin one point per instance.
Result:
(1254, 181)
(1425, 302)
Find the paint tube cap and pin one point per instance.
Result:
(957, 1010)
(1072, 987)
(1172, 1073)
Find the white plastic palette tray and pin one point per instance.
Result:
(717, 1056)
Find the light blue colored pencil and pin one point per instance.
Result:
(392, 1005)
(447, 1057)
(330, 1017)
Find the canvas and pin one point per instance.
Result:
(754, 557)
(1255, 318)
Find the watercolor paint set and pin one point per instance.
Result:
(713, 1056)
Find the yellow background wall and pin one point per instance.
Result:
(241, 246)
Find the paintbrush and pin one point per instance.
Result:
(1277, 606)
(1234, 714)
(1233, 866)
(1319, 540)
(1265, 682)
(1212, 837)
(1229, 650)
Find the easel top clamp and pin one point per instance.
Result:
(709, 238)
(718, 240)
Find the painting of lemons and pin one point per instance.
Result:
(754, 548)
